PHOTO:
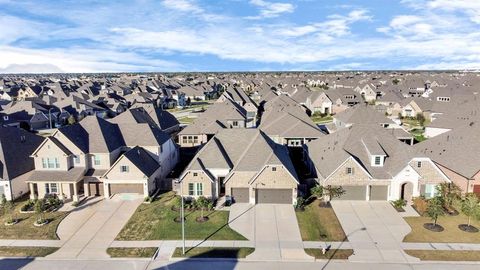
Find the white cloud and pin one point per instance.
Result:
(81, 60)
(271, 9)
(182, 5)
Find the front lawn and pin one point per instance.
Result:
(26, 251)
(451, 234)
(331, 254)
(319, 224)
(147, 252)
(25, 229)
(155, 221)
(318, 119)
(208, 252)
(445, 255)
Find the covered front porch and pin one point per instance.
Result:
(67, 185)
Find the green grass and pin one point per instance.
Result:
(208, 252)
(332, 254)
(445, 255)
(26, 251)
(186, 120)
(147, 252)
(319, 224)
(25, 229)
(155, 221)
(317, 119)
(451, 234)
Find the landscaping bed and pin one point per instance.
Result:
(25, 228)
(156, 221)
(331, 254)
(146, 252)
(450, 234)
(445, 255)
(318, 223)
(208, 252)
(26, 251)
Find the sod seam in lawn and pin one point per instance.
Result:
(445, 255)
(26, 251)
(146, 252)
(209, 252)
(451, 234)
(319, 224)
(331, 254)
(155, 221)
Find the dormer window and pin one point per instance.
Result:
(377, 160)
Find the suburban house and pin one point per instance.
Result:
(457, 154)
(366, 92)
(220, 115)
(244, 164)
(319, 102)
(286, 122)
(371, 164)
(16, 165)
(238, 96)
(82, 160)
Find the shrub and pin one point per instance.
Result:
(300, 205)
(420, 204)
(399, 204)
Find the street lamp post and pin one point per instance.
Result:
(50, 117)
(182, 211)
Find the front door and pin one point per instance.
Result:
(222, 186)
(406, 191)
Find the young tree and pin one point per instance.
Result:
(9, 211)
(333, 192)
(449, 193)
(202, 202)
(317, 192)
(38, 207)
(421, 119)
(435, 209)
(71, 120)
(471, 207)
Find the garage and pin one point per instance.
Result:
(126, 188)
(378, 193)
(282, 196)
(240, 195)
(354, 193)
(95, 189)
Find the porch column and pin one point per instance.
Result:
(32, 193)
(75, 192)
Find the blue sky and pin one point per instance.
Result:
(238, 35)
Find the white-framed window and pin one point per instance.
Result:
(195, 174)
(274, 169)
(199, 189)
(430, 190)
(124, 169)
(235, 123)
(378, 160)
(51, 188)
(50, 163)
(191, 189)
(349, 170)
(96, 160)
(419, 164)
(195, 189)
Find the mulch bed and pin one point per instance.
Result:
(179, 219)
(201, 219)
(433, 227)
(468, 228)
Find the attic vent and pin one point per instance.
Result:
(22, 138)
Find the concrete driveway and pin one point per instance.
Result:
(90, 229)
(374, 229)
(272, 227)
